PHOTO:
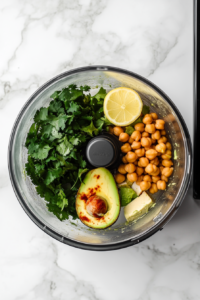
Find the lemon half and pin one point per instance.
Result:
(122, 106)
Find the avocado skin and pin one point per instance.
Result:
(98, 182)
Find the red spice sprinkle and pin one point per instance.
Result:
(97, 187)
(97, 176)
(91, 192)
(83, 196)
(84, 218)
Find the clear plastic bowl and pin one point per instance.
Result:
(121, 234)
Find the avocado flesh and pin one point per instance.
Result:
(98, 182)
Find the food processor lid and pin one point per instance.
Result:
(102, 151)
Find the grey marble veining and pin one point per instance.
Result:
(40, 39)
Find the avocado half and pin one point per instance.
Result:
(99, 182)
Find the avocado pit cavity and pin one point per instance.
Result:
(96, 206)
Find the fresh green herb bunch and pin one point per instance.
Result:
(56, 141)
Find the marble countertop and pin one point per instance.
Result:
(40, 39)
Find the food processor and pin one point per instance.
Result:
(121, 234)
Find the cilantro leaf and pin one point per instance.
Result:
(58, 122)
(41, 115)
(39, 151)
(129, 130)
(56, 134)
(65, 94)
(52, 174)
(70, 93)
(32, 133)
(73, 107)
(139, 120)
(99, 124)
(62, 200)
(56, 107)
(101, 94)
(65, 147)
(55, 95)
(90, 129)
(46, 131)
(81, 161)
(74, 141)
(85, 88)
(106, 121)
(145, 110)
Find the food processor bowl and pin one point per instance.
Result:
(121, 234)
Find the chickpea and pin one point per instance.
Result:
(117, 130)
(160, 124)
(145, 185)
(151, 168)
(145, 142)
(119, 178)
(140, 152)
(161, 148)
(111, 130)
(132, 177)
(155, 178)
(147, 178)
(156, 173)
(151, 154)
(167, 155)
(130, 168)
(139, 127)
(130, 140)
(126, 148)
(156, 135)
(161, 185)
(163, 132)
(139, 179)
(136, 135)
(169, 146)
(153, 188)
(167, 171)
(139, 171)
(154, 116)
(143, 162)
(164, 178)
(131, 157)
(167, 163)
(155, 161)
(147, 119)
(123, 137)
(121, 169)
(163, 140)
(150, 128)
(136, 145)
(145, 134)
(124, 160)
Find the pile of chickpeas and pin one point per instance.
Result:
(147, 160)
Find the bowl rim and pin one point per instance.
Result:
(114, 246)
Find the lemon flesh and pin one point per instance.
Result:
(122, 106)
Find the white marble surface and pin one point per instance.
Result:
(40, 39)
